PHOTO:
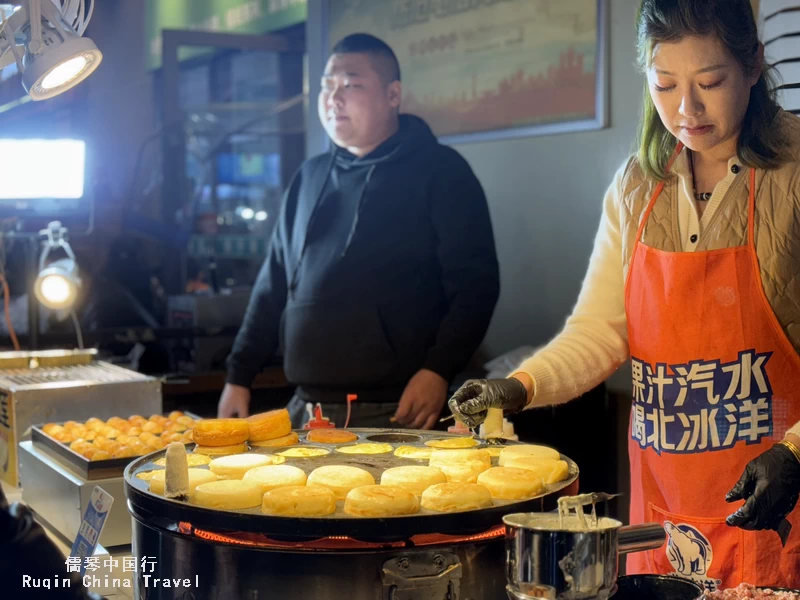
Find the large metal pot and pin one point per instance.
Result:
(547, 560)
(657, 587)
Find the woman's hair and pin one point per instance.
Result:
(761, 142)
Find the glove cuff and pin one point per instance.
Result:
(792, 448)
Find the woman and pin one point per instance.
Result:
(693, 277)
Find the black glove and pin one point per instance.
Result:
(770, 487)
(470, 403)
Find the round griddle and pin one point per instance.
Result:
(152, 507)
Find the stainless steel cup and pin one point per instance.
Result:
(544, 560)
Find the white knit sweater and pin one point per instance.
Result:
(594, 341)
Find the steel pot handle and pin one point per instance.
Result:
(638, 538)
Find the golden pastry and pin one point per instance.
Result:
(234, 467)
(456, 456)
(269, 425)
(516, 451)
(156, 443)
(549, 470)
(271, 477)
(299, 501)
(221, 432)
(80, 445)
(508, 483)
(117, 423)
(340, 478)
(52, 428)
(414, 479)
(152, 427)
(101, 442)
(228, 494)
(100, 455)
(221, 450)
(126, 452)
(452, 497)
(378, 501)
(286, 440)
(331, 436)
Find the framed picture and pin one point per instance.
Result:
(477, 71)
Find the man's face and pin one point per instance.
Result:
(355, 106)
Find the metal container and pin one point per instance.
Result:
(657, 587)
(546, 560)
(59, 494)
(52, 393)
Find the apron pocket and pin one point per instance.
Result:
(703, 549)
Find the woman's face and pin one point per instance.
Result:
(701, 93)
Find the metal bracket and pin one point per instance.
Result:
(422, 576)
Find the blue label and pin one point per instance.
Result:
(94, 517)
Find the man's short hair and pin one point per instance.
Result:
(383, 58)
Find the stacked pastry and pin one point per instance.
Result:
(221, 437)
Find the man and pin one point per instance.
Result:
(381, 277)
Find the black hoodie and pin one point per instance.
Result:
(379, 266)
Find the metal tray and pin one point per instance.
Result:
(88, 469)
(152, 507)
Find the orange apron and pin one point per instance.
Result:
(716, 382)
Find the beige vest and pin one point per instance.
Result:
(777, 225)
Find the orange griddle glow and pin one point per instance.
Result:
(258, 540)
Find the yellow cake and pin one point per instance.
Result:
(508, 483)
(414, 479)
(452, 497)
(299, 501)
(380, 501)
(340, 478)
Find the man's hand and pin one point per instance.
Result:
(473, 399)
(235, 401)
(422, 400)
(769, 486)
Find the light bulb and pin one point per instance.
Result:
(64, 72)
(55, 289)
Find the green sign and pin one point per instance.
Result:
(227, 16)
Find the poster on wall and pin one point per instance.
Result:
(477, 70)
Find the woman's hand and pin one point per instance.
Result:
(473, 399)
(770, 486)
